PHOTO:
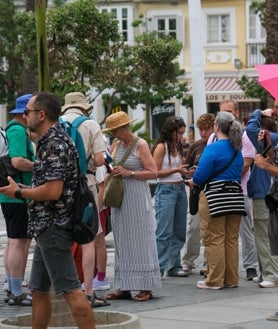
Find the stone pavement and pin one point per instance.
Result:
(180, 304)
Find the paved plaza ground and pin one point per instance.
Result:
(180, 304)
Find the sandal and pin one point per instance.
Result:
(94, 301)
(8, 296)
(24, 299)
(143, 296)
(119, 294)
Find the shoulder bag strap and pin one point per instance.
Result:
(220, 171)
(127, 152)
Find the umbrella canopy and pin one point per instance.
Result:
(268, 78)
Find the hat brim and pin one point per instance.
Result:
(17, 111)
(85, 106)
(118, 126)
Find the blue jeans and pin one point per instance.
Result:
(171, 212)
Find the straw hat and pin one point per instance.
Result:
(76, 99)
(117, 120)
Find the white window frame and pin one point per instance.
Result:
(154, 16)
(258, 38)
(130, 19)
(220, 11)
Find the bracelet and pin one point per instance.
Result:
(18, 193)
(132, 175)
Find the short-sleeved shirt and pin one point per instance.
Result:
(91, 135)
(57, 159)
(20, 145)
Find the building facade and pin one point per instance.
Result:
(232, 40)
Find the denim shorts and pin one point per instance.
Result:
(53, 263)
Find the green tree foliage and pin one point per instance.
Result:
(268, 13)
(10, 59)
(85, 49)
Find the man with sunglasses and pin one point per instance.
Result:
(15, 211)
(55, 178)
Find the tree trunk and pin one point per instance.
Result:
(43, 64)
(271, 31)
(29, 78)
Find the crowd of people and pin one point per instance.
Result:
(151, 241)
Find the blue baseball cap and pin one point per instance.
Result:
(21, 103)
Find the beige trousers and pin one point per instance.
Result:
(220, 238)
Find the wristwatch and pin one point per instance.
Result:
(18, 194)
(132, 175)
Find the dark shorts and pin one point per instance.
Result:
(16, 217)
(53, 263)
(103, 218)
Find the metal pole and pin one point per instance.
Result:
(197, 60)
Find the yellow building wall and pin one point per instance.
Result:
(215, 57)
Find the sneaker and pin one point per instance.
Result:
(273, 317)
(202, 285)
(187, 269)
(178, 274)
(267, 284)
(101, 285)
(257, 279)
(250, 274)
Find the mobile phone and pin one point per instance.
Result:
(3, 181)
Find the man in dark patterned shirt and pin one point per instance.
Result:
(55, 176)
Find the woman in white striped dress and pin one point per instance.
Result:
(133, 224)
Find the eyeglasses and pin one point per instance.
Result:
(27, 111)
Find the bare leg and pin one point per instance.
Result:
(26, 251)
(41, 309)
(80, 309)
(101, 252)
(88, 265)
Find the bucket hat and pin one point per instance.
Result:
(117, 120)
(76, 99)
(21, 103)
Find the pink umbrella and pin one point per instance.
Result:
(268, 78)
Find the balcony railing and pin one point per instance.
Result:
(254, 55)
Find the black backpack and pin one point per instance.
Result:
(85, 213)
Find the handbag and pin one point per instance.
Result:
(114, 188)
(271, 199)
(194, 199)
(225, 198)
(196, 189)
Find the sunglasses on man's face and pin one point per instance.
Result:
(27, 111)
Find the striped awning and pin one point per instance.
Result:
(223, 88)
(220, 85)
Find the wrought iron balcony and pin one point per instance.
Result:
(254, 54)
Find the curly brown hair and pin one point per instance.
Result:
(205, 121)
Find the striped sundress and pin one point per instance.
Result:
(133, 224)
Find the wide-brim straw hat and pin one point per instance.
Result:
(117, 120)
(76, 99)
